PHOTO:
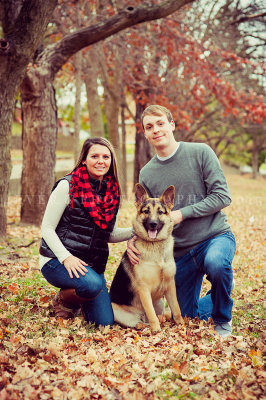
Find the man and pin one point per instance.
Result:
(204, 243)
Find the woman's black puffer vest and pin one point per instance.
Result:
(80, 235)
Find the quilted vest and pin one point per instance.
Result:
(81, 236)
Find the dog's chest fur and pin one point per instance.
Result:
(156, 267)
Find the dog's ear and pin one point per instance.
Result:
(140, 194)
(168, 197)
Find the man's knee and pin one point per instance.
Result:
(216, 265)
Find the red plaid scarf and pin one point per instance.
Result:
(101, 210)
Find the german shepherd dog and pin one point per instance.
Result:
(137, 290)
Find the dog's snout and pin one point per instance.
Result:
(153, 224)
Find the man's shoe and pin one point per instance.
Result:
(224, 329)
(233, 284)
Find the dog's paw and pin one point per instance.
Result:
(179, 321)
(168, 317)
(141, 325)
(155, 327)
(161, 318)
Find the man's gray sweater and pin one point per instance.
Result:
(201, 191)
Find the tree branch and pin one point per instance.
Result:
(29, 23)
(56, 55)
(250, 17)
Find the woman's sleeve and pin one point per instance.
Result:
(56, 205)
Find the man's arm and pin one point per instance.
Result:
(217, 192)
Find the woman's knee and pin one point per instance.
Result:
(91, 285)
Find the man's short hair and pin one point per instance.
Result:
(156, 109)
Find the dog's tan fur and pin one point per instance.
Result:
(153, 277)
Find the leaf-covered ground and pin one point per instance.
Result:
(42, 358)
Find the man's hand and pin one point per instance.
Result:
(75, 265)
(132, 251)
(176, 216)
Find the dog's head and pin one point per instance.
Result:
(153, 220)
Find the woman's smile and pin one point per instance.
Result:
(98, 161)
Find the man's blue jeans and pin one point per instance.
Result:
(214, 258)
(98, 309)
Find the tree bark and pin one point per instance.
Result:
(91, 73)
(39, 131)
(78, 85)
(143, 150)
(112, 101)
(77, 107)
(255, 162)
(6, 116)
(24, 24)
(47, 65)
(124, 152)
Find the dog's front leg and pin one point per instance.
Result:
(146, 301)
(173, 303)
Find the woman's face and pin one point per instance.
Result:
(98, 161)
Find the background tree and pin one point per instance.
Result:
(190, 77)
(78, 86)
(65, 20)
(38, 100)
(237, 28)
(23, 24)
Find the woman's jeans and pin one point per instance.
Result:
(213, 258)
(98, 309)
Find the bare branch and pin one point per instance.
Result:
(250, 17)
(56, 55)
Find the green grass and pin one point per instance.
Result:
(130, 148)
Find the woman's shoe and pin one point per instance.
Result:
(63, 308)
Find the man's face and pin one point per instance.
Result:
(158, 130)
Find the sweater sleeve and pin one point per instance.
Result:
(56, 205)
(217, 192)
(120, 234)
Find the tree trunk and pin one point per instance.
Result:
(23, 25)
(111, 104)
(143, 150)
(39, 132)
(7, 101)
(255, 153)
(112, 101)
(124, 152)
(90, 71)
(77, 107)
(78, 85)
(255, 164)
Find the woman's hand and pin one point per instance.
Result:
(176, 216)
(75, 265)
(132, 251)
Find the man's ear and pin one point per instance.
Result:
(140, 194)
(168, 197)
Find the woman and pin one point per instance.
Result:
(79, 221)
